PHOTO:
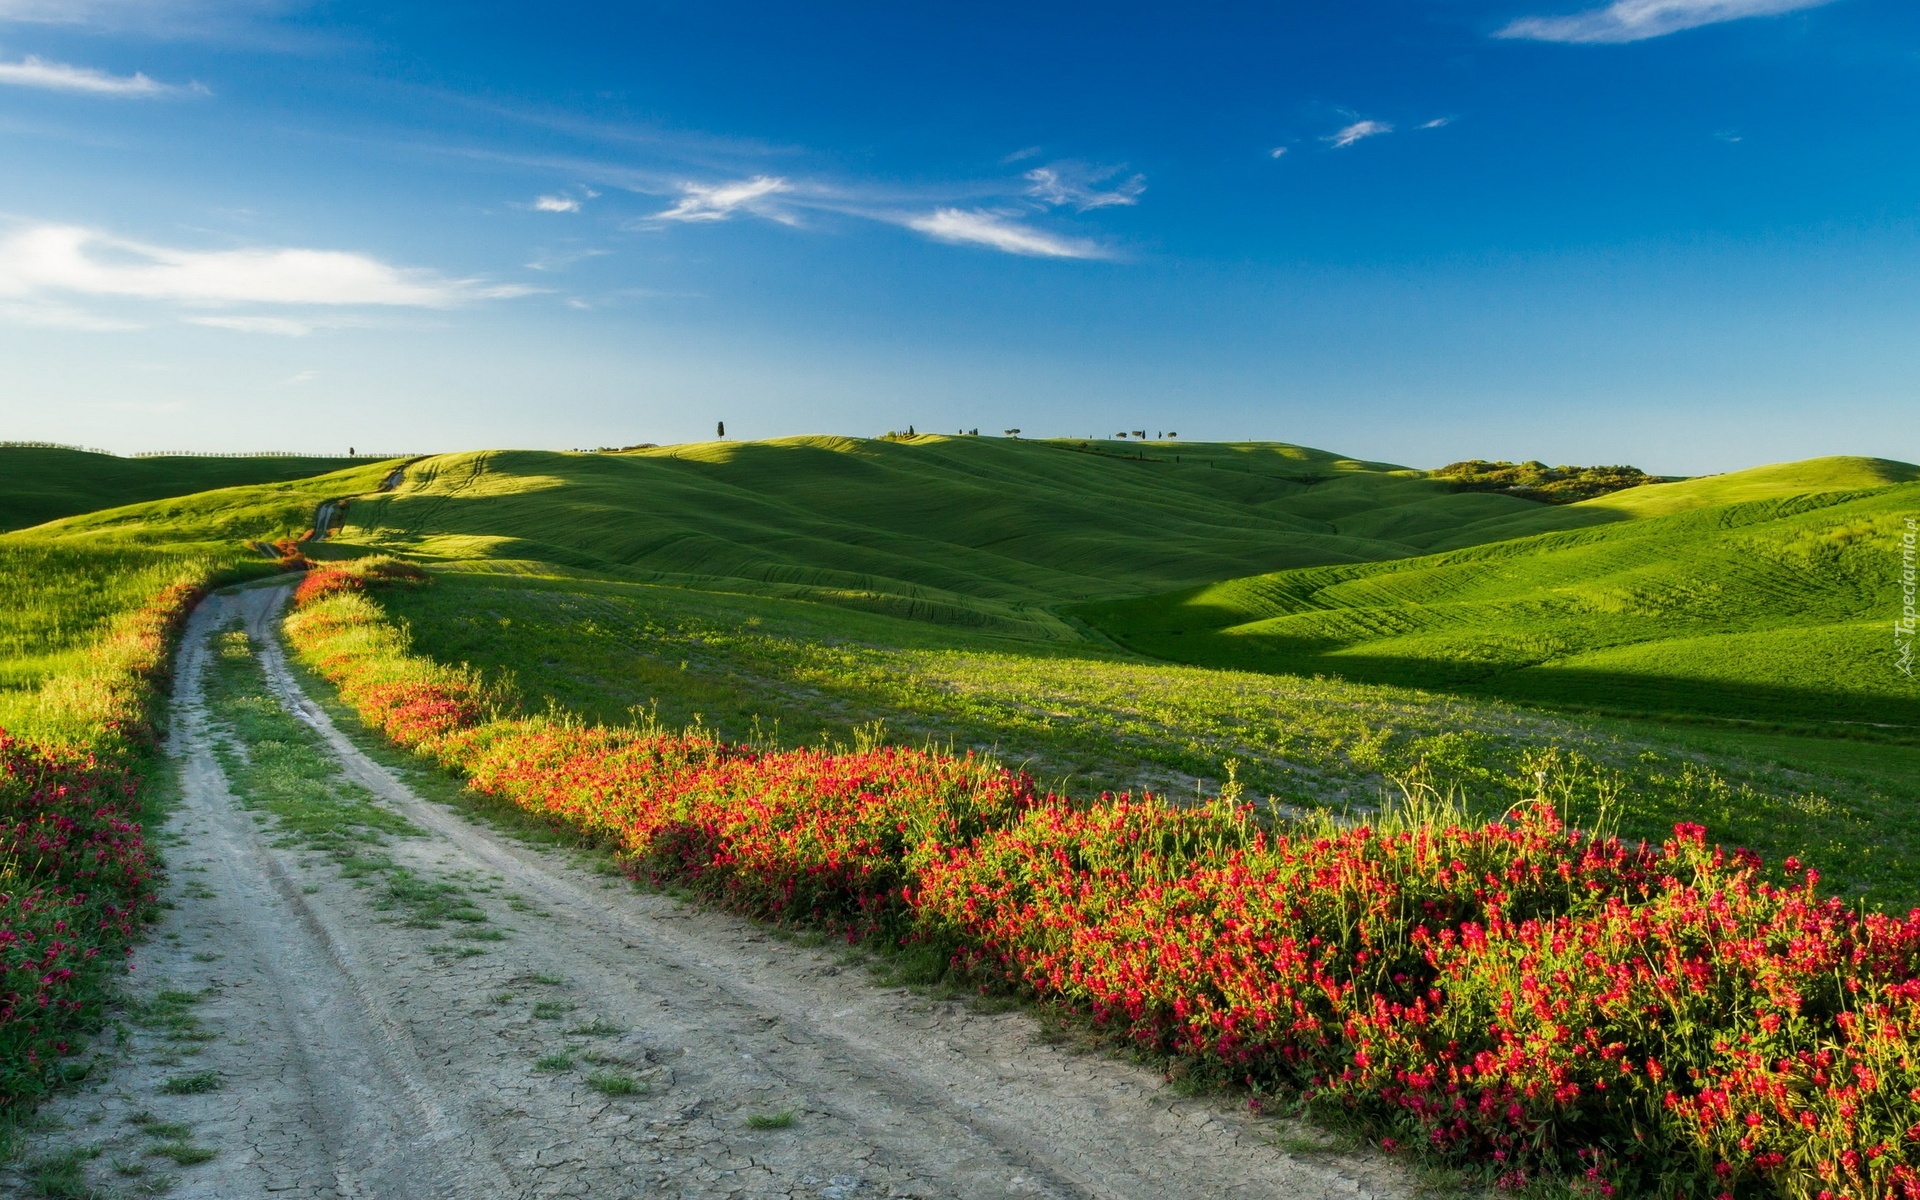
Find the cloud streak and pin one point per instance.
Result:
(35, 72)
(39, 263)
(277, 326)
(556, 204)
(1068, 185)
(717, 202)
(1638, 20)
(997, 231)
(1359, 131)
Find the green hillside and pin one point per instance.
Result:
(1765, 594)
(793, 590)
(65, 581)
(1813, 475)
(217, 521)
(982, 532)
(40, 483)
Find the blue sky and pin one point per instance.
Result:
(1676, 233)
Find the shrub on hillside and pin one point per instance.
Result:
(385, 568)
(323, 583)
(1538, 481)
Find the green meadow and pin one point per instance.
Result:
(1764, 597)
(1090, 717)
(1117, 615)
(45, 483)
(985, 533)
(66, 580)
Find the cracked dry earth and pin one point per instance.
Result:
(352, 1056)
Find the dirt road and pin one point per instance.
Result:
(346, 1055)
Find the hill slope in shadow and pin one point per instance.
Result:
(42, 483)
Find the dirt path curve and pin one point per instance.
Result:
(358, 1060)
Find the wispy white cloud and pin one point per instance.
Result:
(35, 72)
(1277, 152)
(717, 202)
(716, 185)
(978, 227)
(1436, 123)
(559, 260)
(41, 262)
(556, 204)
(1357, 132)
(278, 326)
(1069, 184)
(1637, 20)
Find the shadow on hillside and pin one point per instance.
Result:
(1832, 713)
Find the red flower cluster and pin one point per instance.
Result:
(1664, 1019)
(319, 584)
(75, 875)
(291, 556)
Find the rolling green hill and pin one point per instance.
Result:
(41, 483)
(968, 531)
(798, 588)
(1764, 595)
(65, 581)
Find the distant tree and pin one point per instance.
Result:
(1011, 432)
(720, 430)
(1535, 480)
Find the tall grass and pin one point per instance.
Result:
(75, 870)
(60, 597)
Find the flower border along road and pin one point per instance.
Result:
(76, 876)
(1515, 997)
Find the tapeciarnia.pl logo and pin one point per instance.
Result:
(1909, 619)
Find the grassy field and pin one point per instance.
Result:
(1090, 717)
(986, 533)
(794, 590)
(42, 483)
(1005, 597)
(60, 596)
(66, 581)
(1764, 596)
